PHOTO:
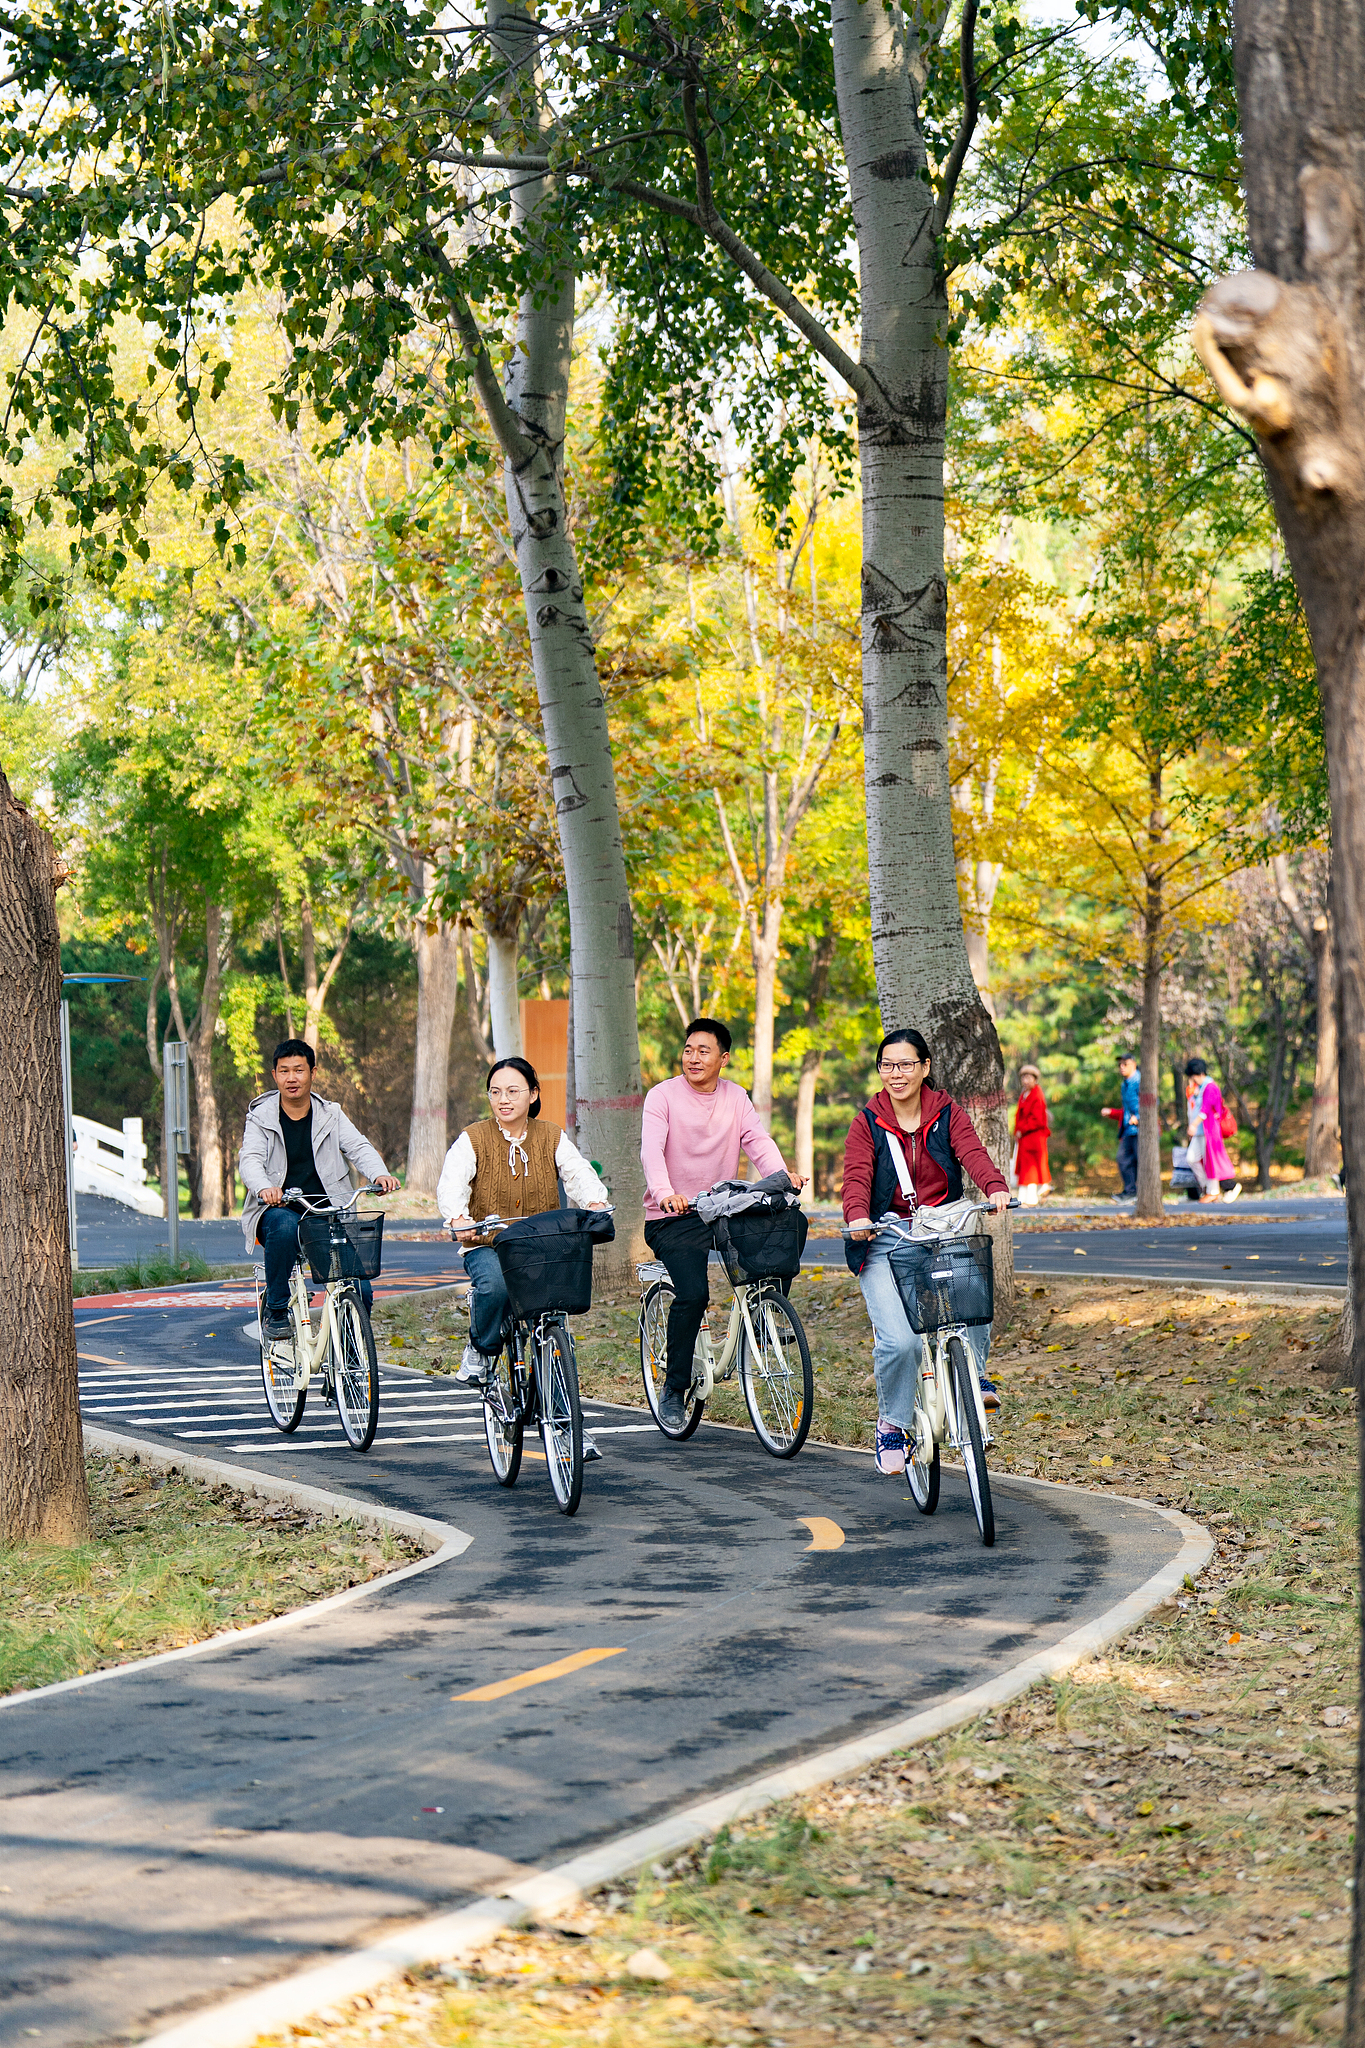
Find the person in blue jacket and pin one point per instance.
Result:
(1126, 1116)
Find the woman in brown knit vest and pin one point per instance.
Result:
(509, 1165)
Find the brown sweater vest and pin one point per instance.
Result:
(495, 1191)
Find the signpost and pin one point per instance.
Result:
(175, 1076)
(70, 1137)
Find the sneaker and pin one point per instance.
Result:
(275, 1327)
(890, 1449)
(474, 1367)
(1125, 1196)
(1233, 1193)
(990, 1393)
(672, 1414)
(590, 1449)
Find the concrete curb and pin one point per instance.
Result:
(1248, 1291)
(442, 1540)
(452, 1937)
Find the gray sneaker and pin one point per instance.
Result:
(475, 1367)
(590, 1449)
(273, 1328)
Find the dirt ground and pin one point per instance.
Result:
(1154, 1849)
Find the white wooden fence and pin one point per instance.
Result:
(106, 1162)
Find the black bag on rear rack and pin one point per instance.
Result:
(546, 1260)
(762, 1243)
(341, 1247)
(948, 1280)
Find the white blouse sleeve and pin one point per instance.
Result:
(581, 1184)
(457, 1178)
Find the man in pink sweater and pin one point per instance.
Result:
(694, 1129)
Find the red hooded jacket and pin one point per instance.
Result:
(927, 1176)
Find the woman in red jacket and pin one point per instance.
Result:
(906, 1150)
(1031, 1127)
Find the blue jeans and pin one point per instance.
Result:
(488, 1303)
(897, 1352)
(1128, 1157)
(278, 1234)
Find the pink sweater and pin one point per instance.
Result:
(688, 1141)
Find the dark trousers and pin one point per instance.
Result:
(683, 1245)
(1128, 1151)
(488, 1299)
(278, 1234)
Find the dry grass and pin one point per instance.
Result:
(1153, 1850)
(170, 1562)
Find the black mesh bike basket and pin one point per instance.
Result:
(761, 1244)
(546, 1261)
(948, 1281)
(341, 1247)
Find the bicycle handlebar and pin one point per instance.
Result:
(488, 1224)
(895, 1222)
(308, 1205)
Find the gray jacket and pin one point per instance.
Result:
(337, 1144)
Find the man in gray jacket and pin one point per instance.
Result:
(295, 1139)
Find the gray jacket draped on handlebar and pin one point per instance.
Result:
(337, 1146)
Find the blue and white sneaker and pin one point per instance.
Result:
(990, 1393)
(890, 1448)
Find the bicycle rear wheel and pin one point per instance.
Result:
(779, 1386)
(922, 1473)
(277, 1377)
(561, 1417)
(963, 1369)
(355, 1372)
(654, 1309)
(503, 1422)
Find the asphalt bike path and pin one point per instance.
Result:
(173, 1834)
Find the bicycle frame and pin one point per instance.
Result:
(310, 1359)
(722, 1366)
(936, 1396)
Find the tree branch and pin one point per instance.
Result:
(507, 428)
(971, 107)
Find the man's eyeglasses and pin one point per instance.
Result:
(901, 1066)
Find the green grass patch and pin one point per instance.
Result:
(170, 1561)
(156, 1270)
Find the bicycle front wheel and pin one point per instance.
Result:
(503, 1422)
(355, 1372)
(923, 1475)
(779, 1386)
(654, 1309)
(963, 1370)
(561, 1416)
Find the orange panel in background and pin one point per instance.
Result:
(545, 1042)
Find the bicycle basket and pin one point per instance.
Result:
(341, 1247)
(546, 1261)
(762, 1243)
(952, 1281)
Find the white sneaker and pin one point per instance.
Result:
(475, 1367)
(590, 1449)
(1233, 1193)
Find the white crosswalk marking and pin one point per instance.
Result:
(224, 1405)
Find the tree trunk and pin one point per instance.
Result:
(438, 988)
(315, 992)
(200, 1044)
(1322, 1152)
(1285, 345)
(821, 963)
(979, 881)
(924, 977)
(574, 714)
(767, 941)
(42, 1467)
(1149, 1059)
(504, 1006)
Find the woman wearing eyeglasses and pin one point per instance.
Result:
(906, 1150)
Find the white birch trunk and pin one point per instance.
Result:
(504, 1007)
(805, 1124)
(438, 958)
(573, 710)
(924, 976)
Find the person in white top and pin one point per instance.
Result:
(508, 1165)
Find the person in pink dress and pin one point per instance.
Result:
(1208, 1154)
(1031, 1126)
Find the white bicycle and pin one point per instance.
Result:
(947, 1285)
(340, 1249)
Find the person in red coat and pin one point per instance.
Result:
(1031, 1127)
